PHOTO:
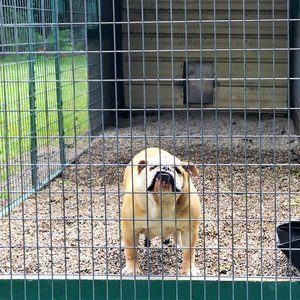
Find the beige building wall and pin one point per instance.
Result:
(244, 78)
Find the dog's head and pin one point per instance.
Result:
(165, 174)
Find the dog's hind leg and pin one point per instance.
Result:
(189, 241)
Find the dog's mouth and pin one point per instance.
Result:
(163, 181)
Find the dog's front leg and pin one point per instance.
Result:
(189, 241)
(178, 239)
(130, 247)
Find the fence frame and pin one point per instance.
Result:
(87, 287)
(100, 288)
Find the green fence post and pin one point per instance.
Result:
(61, 133)
(32, 100)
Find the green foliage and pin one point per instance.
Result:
(64, 41)
(17, 38)
(15, 101)
(14, 35)
(49, 43)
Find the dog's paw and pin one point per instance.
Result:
(131, 270)
(193, 271)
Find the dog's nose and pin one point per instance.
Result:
(164, 177)
(165, 168)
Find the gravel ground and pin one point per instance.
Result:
(48, 162)
(242, 201)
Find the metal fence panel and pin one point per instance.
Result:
(87, 85)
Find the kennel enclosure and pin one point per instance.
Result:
(85, 85)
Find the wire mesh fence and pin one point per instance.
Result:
(40, 102)
(87, 85)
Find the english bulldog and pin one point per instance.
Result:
(160, 199)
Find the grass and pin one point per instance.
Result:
(15, 118)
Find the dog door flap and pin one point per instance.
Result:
(199, 84)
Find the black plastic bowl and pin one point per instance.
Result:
(288, 240)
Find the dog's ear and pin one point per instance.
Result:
(142, 164)
(190, 168)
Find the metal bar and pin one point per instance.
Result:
(278, 110)
(102, 247)
(231, 148)
(49, 171)
(188, 142)
(275, 168)
(104, 150)
(260, 154)
(32, 100)
(145, 143)
(217, 143)
(174, 140)
(167, 22)
(60, 117)
(243, 145)
(157, 72)
(245, 153)
(7, 172)
(59, 105)
(289, 147)
(253, 49)
(103, 219)
(204, 219)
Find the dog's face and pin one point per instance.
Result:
(165, 174)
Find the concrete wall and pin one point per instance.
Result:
(295, 64)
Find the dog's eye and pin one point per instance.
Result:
(153, 167)
(177, 170)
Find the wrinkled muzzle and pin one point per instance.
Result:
(163, 181)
